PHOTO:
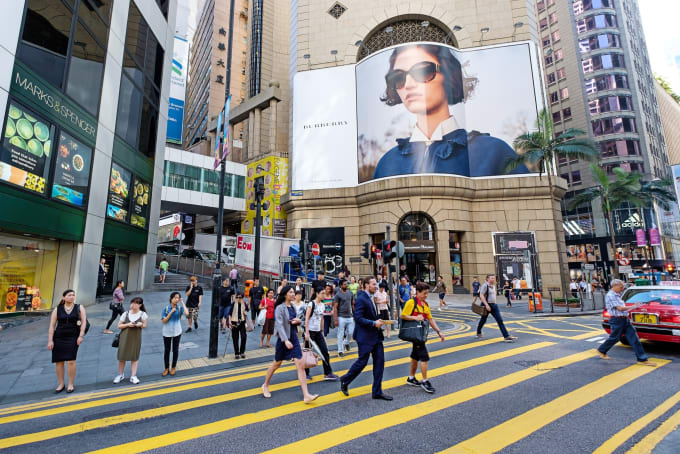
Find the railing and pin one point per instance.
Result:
(185, 265)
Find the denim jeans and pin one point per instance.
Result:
(495, 313)
(345, 330)
(327, 321)
(622, 326)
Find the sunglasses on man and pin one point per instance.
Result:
(422, 72)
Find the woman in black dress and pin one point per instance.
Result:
(67, 328)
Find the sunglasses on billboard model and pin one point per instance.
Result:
(422, 72)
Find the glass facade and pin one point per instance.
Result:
(613, 126)
(596, 22)
(599, 42)
(613, 148)
(606, 82)
(610, 104)
(191, 178)
(581, 6)
(599, 62)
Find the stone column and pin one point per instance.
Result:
(272, 125)
(250, 149)
(258, 131)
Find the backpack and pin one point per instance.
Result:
(303, 312)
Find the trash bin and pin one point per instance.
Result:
(642, 282)
(537, 300)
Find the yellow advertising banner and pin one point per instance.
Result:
(274, 170)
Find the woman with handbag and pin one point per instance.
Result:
(237, 324)
(131, 325)
(116, 305)
(268, 328)
(314, 321)
(68, 325)
(287, 344)
(383, 306)
(417, 309)
(172, 330)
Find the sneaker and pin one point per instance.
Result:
(479, 336)
(347, 347)
(243, 356)
(331, 377)
(188, 329)
(510, 339)
(412, 381)
(341, 354)
(440, 308)
(425, 384)
(134, 380)
(118, 379)
(309, 377)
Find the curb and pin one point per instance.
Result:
(567, 314)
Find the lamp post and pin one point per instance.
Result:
(217, 274)
(483, 31)
(257, 206)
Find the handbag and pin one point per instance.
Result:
(87, 322)
(116, 340)
(309, 358)
(479, 309)
(249, 325)
(414, 331)
(261, 317)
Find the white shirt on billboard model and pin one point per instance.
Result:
(445, 127)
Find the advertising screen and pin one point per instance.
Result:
(420, 108)
(140, 203)
(178, 83)
(72, 170)
(275, 173)
(119, 193)
(26, 149)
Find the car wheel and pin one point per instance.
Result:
(624, 341)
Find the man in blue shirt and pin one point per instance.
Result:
(475, 289)
(404, 291)
(620, 324)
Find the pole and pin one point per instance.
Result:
(259, 192)
(305, 246)
(389, 275)
(217, 274)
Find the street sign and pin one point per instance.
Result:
(296, 193)
(402, 267)
(400, 249)
(625, 268)
(285, 259)
(624, 261)
(588, 266)
(316, 250)
(355, 260)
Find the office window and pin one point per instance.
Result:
(163, 5)
(561, 74)
(613, 126)
(566, 113)
(551, 78)
(576, 177)
(549, 59)
(552, 18)
(555, 36)
(559, 55)
(564, 93)
(554, 97)
(605, 61)
(543, 23)
(540, 5)
(546, 41)
(556, 116)
(610, 104)
(614, 148)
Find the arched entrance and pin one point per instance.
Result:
(416, 231)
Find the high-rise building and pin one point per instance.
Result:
(84, 97)
(599, 79)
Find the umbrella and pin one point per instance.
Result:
(317, 350)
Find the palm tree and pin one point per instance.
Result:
(624, 187)
(541, 149)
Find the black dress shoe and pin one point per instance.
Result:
(57, 391)
(343, 388)
(383, 397)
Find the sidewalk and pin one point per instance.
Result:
(27, 364)
(518, 306)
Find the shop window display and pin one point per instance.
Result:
(27, 271)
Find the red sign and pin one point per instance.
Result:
(243, 244)
(316, 250)
(624, 261)
(175, 231)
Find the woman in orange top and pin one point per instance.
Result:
(268, 327)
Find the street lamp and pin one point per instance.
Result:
(257, 206)
(334, 53)
(516, 26)
(308, 57)
(483, 31)
(389, 29)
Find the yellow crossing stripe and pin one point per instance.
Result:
(627, 432)
(647, 444)
(371, 425)
(160, 411)
(519, 427)
(297, 407)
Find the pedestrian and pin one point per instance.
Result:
(256, 295)
(101, 276)
(268, 304)
(620, 324)
(353, 286)
(441, 290)
(287, 343)
(163, 269)
(343, 302)
(226, 297)
(328, 308)
(369, 337)
(418, 309)
(583, 287)
(172, 331)
(507, 288)
(404, 291)
(313, 330)
(336, 281)
(194, 293)
(573, 287)
(116, 305)
(517, 286)
(284, 283)
(237, 324)
(299, 287)
(320, 281)
(131, 324)
(488, 297)
(381, 300)
(233, 278)
(475, 289)
(67, 330)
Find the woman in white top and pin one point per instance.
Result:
(314, 320)
(172, 330)
(131, 324)
(382, 304)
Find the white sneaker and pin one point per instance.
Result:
(134, 380)
(118, 379)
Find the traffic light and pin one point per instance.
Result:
(365, 250)
(374, 250)
(670, 267)
(389, 251)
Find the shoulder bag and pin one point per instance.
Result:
(480, 309)
(87, 324)
(414, 330)
(262, 316)
(309, 358)
(116, 338)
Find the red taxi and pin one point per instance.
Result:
(659, 317)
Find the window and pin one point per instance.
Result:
(555, 36)
(580, 6)
(605, 61)
(551, 2)
(565, 176)
(556, 117)
(564, 93)
(609, 104)
(606, 82)
(416, 227)
(551, 78)
(540, 5)
(543, 23)
(599, 42)
(549, 59)
(613, 126)
(552, 18)
(561, 74)
(68, 53)
(576, 177)
(559, 55)
(613, 148)
(554, 97)
(137, 121)
(596, 22)
(625, 166)
(163, 5)
(546, 41)
(566, 113)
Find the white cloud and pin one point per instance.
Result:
(659, 21)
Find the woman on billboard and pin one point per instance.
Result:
(427, 79)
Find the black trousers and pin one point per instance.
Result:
(254, 309)
(118, 310)
(365, 351)
(239, 331)
(318, 338)
(168, 342)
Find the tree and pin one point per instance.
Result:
(540, 149)
(624, 187)
(667, 87)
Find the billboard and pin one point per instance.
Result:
(178, 84)
(415, 108)
(275, 173)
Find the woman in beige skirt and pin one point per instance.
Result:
(131, 324)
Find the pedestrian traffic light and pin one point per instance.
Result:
(374, 250)
(389, 251)
(365, 251)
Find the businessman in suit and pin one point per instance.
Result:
(368, 335)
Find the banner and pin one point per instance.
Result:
(275, 173)
(421, 108)
(178, 83)
(654, 237)
(640, 237)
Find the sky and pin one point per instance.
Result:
(660, 23)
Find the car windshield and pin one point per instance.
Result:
(209, 255)
(661, 296)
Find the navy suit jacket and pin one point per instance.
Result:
(365, 316)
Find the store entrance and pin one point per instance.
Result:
(116, 266)
(416, 231)
(420, 267)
